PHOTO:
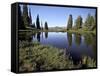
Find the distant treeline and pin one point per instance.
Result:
(25, 19)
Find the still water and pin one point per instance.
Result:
(77, 45)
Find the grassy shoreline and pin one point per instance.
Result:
(81, 31)
(72, 31)
(35, 57)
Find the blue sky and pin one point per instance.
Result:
(58, 16)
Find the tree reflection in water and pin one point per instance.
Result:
(38, 36)
(69, 37)
(77, 38)
(46, 35)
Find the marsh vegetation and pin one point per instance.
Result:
(37, 57)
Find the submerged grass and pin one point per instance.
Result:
(34, 56)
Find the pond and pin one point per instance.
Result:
(75, 44)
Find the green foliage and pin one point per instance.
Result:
(38, 22)
(30, 17)
(20, 22)
(46, 26)
(70, 22)
(78, 22)
(24, 21)
(25, 16)
(90, 22)
(40, 57)
(88, 25)
(34, 56)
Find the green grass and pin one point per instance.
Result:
(35, 57)
(81, 31)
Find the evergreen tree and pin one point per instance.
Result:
(94, 26)
(46, 25)
(30, 17)
(78, 22)
(90, 22)
(70, 22)
(25, 16)
(38, 22)
(20, 19)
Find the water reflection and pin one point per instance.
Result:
(69, 37)
(88, 39)
(38, 36)
(46, 35)
(77, 38)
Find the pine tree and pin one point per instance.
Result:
(78, 22)
(70, 22)
(46, 26)
(94, 25)
(38, 22)
(25, 16)
(20, 19)
(90, 22)
(30, 17)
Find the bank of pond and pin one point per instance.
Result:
(42, 51)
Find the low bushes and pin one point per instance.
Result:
(34, 56)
